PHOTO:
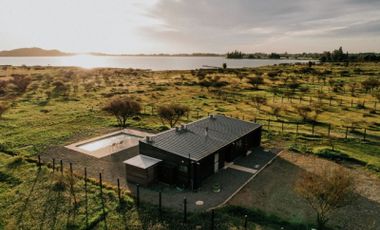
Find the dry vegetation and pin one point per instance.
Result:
(42, 107)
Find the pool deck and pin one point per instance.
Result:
(110, 149)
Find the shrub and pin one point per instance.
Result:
(20, 82)
(172, 113)
(3, 108)
(122, 109)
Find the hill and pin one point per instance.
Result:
(22, 52)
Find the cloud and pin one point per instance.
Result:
(221, 25)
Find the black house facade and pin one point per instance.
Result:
(188, 154)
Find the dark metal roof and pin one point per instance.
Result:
(193, 140)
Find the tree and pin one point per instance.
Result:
(3, 108)
(370, 84)
(172, 113)
(326, 190)
(3, 85)
(60, 89)
(258, 101)
(122, 109)
(303, 111)
(256, 81)
(275, 110)
(21, 82)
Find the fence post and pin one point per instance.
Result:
(61, 166)
(246, 222)
(346, 132)
(102, 199)
(71, 170)
(152, 110)
(39, 161)
(85, 195)
(328, 131)
(282, 126)
(184, 210)
(138, 195)
(118, 190)
(364, 134)
(212, 219)
(160, 204)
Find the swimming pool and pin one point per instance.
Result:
(110, 143)
(117, 139)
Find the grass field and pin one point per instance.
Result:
(62, 104)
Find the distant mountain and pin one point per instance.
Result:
(38, 52)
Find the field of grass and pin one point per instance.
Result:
(63, 104)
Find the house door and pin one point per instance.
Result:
(216, 162)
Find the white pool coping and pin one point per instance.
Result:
(110, 149)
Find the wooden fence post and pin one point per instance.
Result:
(85, 195)
(364, 134)
(138, 195)
(346, 132)
(212, 219)
(118, 190)
(328, 130)
(245, 222)
(39, 161)
(61, 166)
(184, 210)
(282, 126)
(160, 204)
(102, 199)
(152, 110)
(71, 170)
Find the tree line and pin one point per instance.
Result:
(337, 55)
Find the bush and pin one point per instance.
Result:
(20, 82)
(172, 113)
(122, 109)
(3, 108)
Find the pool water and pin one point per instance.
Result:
(119, 138)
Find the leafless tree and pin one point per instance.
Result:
(326, 190)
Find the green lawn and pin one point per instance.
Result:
(39, 119)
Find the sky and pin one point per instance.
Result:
(187, 26)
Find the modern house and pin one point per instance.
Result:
(186, 155)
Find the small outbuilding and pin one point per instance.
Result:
(186, 155)
(141, 169)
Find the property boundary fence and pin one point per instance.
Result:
(208, 217)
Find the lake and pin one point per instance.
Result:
(140, 62)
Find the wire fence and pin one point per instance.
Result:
(209, 219)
